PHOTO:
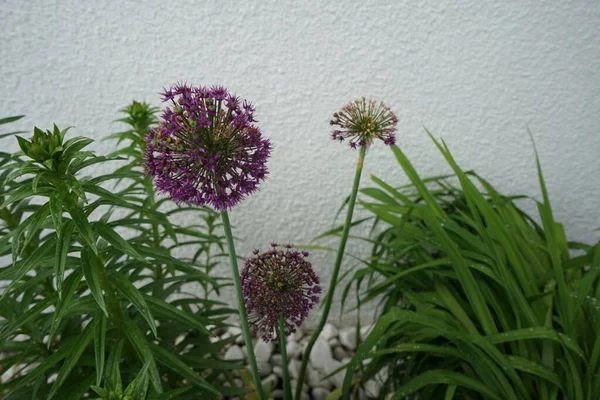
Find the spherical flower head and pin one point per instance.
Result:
(206, 149)
(280, 280)
(362, 121)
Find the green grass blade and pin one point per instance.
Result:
(73, 356)
(443, 377)
(116, 240)
(131, 293)
(93, 268)
(100, 326)
(84, 228)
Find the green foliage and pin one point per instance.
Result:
(94, 300)
(477, 300)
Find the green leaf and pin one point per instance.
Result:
(93, 268)
(25, 318)
(130, 292)
(10, 119)
(16, 273)
(73, 356)
(116, 240)
(443, 377)
(37, 220)
(23, 192)
(100, 326)
(56, 211)
(173, 362)
(63, 246)
(142, 348)
(535, 333)
(44, 366)
(113, 370)
(83, 227)
(139, 385)
(165, 310)
(71, 285)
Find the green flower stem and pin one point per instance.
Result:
(335, 273)
(287, 390)
(241, 306)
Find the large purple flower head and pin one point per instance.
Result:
(206, 149)
(280, 280)
(362, 121)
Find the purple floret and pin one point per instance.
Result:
(206, 149)
(278, 281)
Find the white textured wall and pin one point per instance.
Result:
(475, 72)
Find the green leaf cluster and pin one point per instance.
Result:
(94, 301)
(476, 298)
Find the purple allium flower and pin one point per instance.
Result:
(362, 121)
(278, 281)
(206, 149)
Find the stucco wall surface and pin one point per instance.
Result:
(476, 73)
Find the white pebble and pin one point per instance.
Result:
(233, 353)
(339, 353)
(263, 350)
(321, 354)
(329, 331)
(348, 338)
(293, 349)
(264, 368)
(372, 389)
(270, 380)
(319, 393)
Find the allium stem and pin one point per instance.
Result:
(241, 306)
(287, 390)
(335, 272)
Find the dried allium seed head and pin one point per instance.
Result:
(280, 280)
(362, 121)
(206, 149)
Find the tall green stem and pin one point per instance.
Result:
(241, 306)
(287, 390)
(334, 274)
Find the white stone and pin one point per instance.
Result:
(334, 342)
(263, 350)
(276, 359)
(365, 330)
(337, 379)
(293, 349)
(297, 336)
(321, 354)
(277, 394)
(348, 338)
(294, 368)
(339, 353)
(294, 383)
(264, 368)
(278, 370)
(329, 331)
(235, 331)
(234, 353)
(314, 379)
(271, 380)
(319, 393)
(373, 389)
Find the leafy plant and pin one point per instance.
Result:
(95, 302)
(477, 299)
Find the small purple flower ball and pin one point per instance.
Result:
(280, 280)
(206, 149)
(362, 121)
